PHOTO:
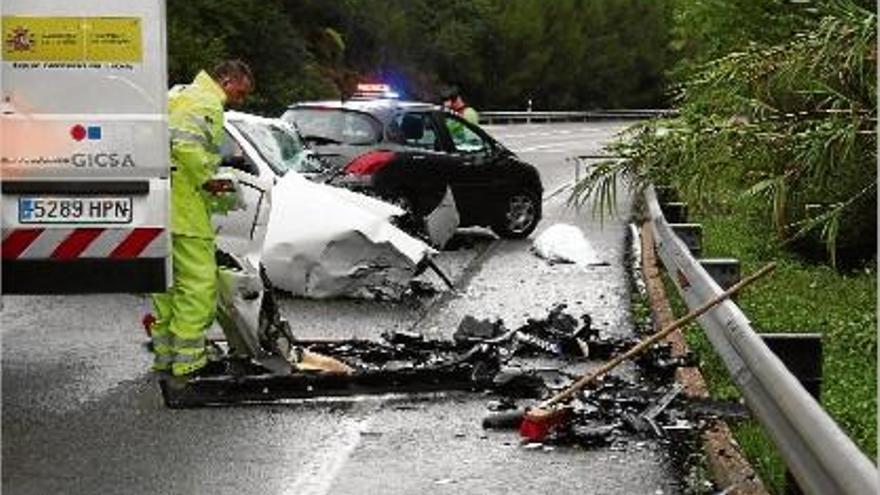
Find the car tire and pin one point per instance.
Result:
(519, 216)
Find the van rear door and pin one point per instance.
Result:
(84, 147)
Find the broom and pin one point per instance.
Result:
(540, 420)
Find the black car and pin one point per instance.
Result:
(409, 152)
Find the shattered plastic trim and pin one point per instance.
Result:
(819, 454)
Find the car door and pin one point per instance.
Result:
(476, 176)
(242, 231)
(421, 173)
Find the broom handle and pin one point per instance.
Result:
(684, 320)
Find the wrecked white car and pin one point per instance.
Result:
(314, 240)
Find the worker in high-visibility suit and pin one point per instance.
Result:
(453, 101)
(463, 139)
(195, 120)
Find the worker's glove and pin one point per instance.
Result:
(223, 193)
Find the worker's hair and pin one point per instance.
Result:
(233, 69)
(450, 93)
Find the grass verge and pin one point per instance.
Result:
(797, 297)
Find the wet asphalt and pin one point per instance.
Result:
(81, 415)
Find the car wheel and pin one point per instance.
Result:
(519, 216)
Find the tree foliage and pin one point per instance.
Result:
(790, 120)
(562, 54)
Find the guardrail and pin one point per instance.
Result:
(508, 117)
(818, 453)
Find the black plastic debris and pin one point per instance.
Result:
(661, 364)
(518, 384)
(595, 434)
(471, 329)
(405, 338)
(421, 289)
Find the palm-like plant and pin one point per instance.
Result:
(794, 123)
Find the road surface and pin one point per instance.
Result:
(81, 414)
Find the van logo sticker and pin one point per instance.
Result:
(102, 160)
(20, 40)
(73, 42)
(80, 132)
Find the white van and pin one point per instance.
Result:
(84, 147)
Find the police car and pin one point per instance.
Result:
(411, 152)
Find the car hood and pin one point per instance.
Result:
(323, 241)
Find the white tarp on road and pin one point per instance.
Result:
(323, 241)
(564, 243)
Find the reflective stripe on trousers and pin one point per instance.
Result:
(188, 308)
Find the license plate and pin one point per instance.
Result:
(74, 209)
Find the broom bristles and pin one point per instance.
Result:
(538, 422)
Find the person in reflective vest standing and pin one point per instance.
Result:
(186, 310)
(453, 101)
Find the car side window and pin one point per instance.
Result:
(356, 129)
(287, 148)
(230, 148)
(417, 130)
(464, 138)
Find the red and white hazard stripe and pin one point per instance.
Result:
(71, 244)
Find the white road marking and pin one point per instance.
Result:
(326, 462)
(330, 458)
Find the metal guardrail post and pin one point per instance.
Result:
(666, 194)
(724, 271)
(819, 454)
(802, 355)
(675, 211)
(692, 236)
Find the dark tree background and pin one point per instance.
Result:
(562, 54)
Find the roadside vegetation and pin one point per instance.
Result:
(774, 148)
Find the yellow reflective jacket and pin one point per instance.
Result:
(195, 121)
(471, 115)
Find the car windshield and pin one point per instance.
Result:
(279, 146)
(334, 126)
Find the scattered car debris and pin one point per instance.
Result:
(565, 243)
(660, 364)
(471, 329)
(485, 355)
(419, 289)
(442, 222)
(619, 411)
